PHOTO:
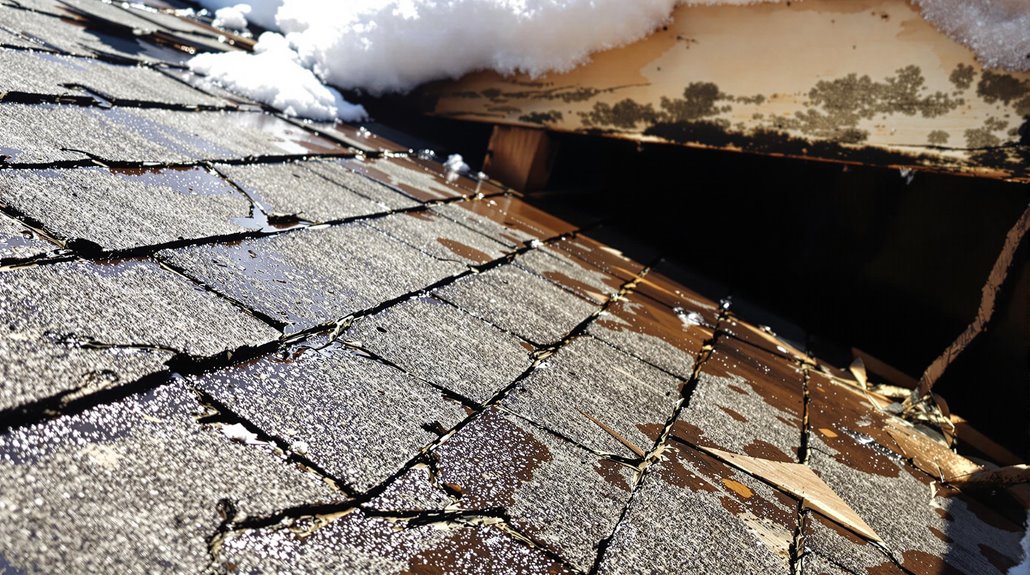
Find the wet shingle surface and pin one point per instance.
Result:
(520, 302)
(18, 241)
(294, 190)
(314, 276)
(130, 208)
(234, 342)
(356, 418)
(436, 341)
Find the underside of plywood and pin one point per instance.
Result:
(864, 81)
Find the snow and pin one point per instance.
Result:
(262, 12)
(272, 75)
(1024, 567)
(997, 30)
(379, 46)
(232, 17)
(456, 164)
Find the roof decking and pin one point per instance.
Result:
(234, 343)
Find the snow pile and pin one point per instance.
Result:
(232, 17)
(997, 30)
(394, 45)
(1024, 566)
(273, 75)
(262, 12)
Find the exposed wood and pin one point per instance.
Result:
(889, 373)
(864, 82)
(519, 157)
(983, 314)
(800, 481)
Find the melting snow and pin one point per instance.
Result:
(394, 45)
(1024, 566)
(273, 75)
(232, 17)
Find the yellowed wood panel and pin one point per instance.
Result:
(848, 80)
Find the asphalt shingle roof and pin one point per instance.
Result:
(231, 342)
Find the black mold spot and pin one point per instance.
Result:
(962, 76)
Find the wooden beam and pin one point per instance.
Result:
(521, 158)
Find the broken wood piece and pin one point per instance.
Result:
(618, 437)
(800, 481)
(1003, 476)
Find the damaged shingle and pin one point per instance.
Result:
(590, 378)
(79, 327)
(315, 276)
(438, 342)
(359, 419)
(124, 209)
(520, 302)
(135, 486)
(440, 237)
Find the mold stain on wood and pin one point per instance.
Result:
(868, 81)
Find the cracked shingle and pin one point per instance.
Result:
(360, 419)
(49, 74)
(507, 219)
(50, 32)
(17, 241)
(124, 209)
(652, 332)
(574, 275)
(292, 189)
(342, 173)
(692, 514)
(78, 327)
(520, 302)
(746, 401)
(587, 377)
(42, 133)
(314, 276)
(501, 461)
(438, 342)
(408, 176)
(135, 486)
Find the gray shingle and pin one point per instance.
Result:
(520, 302)
(440, 237)
(314, 276)
(79, 327)
(135, 486)
(442, 344)
(122, 209)
(359, 419)
(589, 378)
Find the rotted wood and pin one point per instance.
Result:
(864, 82)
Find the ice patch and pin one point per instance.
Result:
(456, 164)
(273, 75)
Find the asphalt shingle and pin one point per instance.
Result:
(124, 209)
(78, 327)
(135, 486)
(315, 276)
